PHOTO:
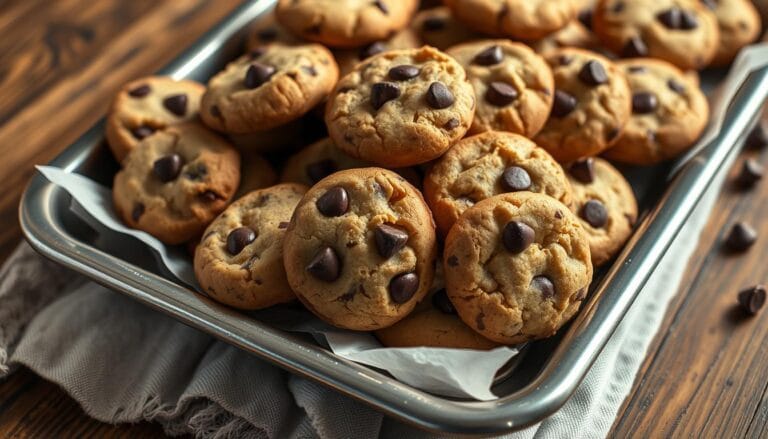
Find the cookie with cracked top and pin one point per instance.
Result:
(438, 28)
(147, 105)
(739, 25)
(401, 108)
(517, 266)
(239, 261)
(360, 249)
(175, 182)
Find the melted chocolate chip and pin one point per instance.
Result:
(515, 178)
(489, 56)
(644, 103)
(403, 286)
(176, 104)
(257, 74)
(563, 104)
(500, 94)
(439, 96)
(140, 91)
(594, 213)
(517, 236)
(543, 285)
(334, 202)
(583, 170)
(383, 92)
(325, 265)
(168, 168)
(238, 239)
(319, 170)
(403, 72)
(442, 303)
(593, 73)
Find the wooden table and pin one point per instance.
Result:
(60, 62)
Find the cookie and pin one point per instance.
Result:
(605, 205)
(592, 103)
(401, 108)
(513, 85)
(437, 28)
(669, 113)
(683, 32)
(739, 25)
(317, 161)
(255, 173)
(268, 87)
(268, 31)
(517, 266)
(489, 164)
(282, 139)
(239, 261)
(360, 249)
(354, 23)
(574, 34)
(518, 19)
(347, 59)
(147, 105)
(175, 182)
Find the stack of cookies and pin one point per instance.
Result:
(458, 192)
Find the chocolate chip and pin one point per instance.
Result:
(585, 17)
(611, 134)
(451, 124)
(593, 73)
(257, 74)
(644, 102)
(618, 7)
(751, 173)
(137, 212)
(500, 94)
(383, 92)
(334, 202)
(374, 48)
(637, 69)
(670, 18)
(453, 261)
(563, 104)
(403, 72)
(544, 285)
(441, 301)
(583, 170)
(403, 286)
(439, 96)
(389, 240)
(594, 213)
(432, 24)
(325, 265)
(209, 196)
(142, 132)
(489, 56)
(383, 7)
(168, 168)
(564, 60)
(752, 299)
(515, 178)
(140, 91)
(634, 47)
(283, 225)
(176, 104)
(688, 21)
(239, 238)
(741, 237)
(517, 236)
(757, 138)
(319, 170)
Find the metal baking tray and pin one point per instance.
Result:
(542, 382)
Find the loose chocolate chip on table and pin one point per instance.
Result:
(137, 212)
(403, 72)
(439, 96)
(382, 6)
(517, 236)
(670, 18)
(383, 92)
(741, 237)
(751, 173)
(319, 170)
(634, 47)
(334, 202)
(644, 102)
(432, 24)
(515, 178)
(489, 56)
(374, 48)
(752, 299)
(325, 265)
(239, 238)
(176, 104)
(389, 240)
(688, 21)
(441, 301)
(140, 91)
(583, 170)
(544, 285)
(593, 73)
(594, 213)
(403, 286)
(563, 104)
(257, 74)
(142, 132)
(168, 168)
(500, 94)
(758, 138)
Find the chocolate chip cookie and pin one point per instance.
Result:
(239, 261)
(574, 34)
(513, 85)
(489, 164)
(517, 266)
(739, 25)
(268, 31)
(347, 59)
(318, 161)
(175, 182)
(519, 19)
(683, 32)
(268, 87)
(605, 204)
(669, 113)
(592, 103)
(352, 23)
(437, 28)
(401, 108)
(360, 249)
(147, 105)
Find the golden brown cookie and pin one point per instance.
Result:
(175, 182)
(517, 266)
(518, 19)
(437, 28)
(360, 249)
(739, 25)
(239, 261)
(489, 164)
(605, 204)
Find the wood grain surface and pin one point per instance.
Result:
(61, 61)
